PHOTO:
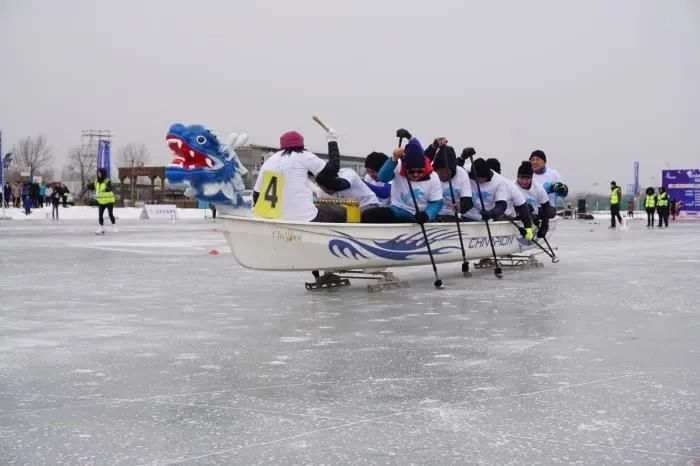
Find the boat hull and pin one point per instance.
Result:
(264, 244)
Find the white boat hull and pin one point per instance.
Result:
(264, 244)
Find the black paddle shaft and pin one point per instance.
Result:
(438, 282)
(498, 270)
(454, 205)
(550, 254)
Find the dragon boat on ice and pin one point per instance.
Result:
(210, 171)
(356, 250)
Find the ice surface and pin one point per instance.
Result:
(141, 348)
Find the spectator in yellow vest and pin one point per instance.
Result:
(615, 198)
(650, 206)
(662, 208)
(105, 199)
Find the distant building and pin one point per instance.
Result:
(253, 156)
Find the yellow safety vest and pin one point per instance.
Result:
(103, 196)
(650, 201)
(662, 200)
(615, 195)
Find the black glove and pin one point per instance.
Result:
(542, 232)
(468, 152)
(421, 218)
(485, 215)
(560, 189)
(403, 133)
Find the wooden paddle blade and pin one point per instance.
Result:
(318, 120)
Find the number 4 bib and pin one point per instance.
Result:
(269, 203)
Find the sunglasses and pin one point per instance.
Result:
(415, 171)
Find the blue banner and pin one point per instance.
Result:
(636, 178)
(103, 156)
(684, 186)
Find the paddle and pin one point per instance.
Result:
(318, 120)
(401, 133)
(551, 249)
(465, 264)
(522, 231)
(497, 271)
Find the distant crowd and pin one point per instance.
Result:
(30, 195)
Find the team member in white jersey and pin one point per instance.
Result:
(549, 179)
(281, 188)
(516, 200)
(408, 163)
(357, 190)
(493, 191)
(374, 163)
(535, 197)
(445, 165)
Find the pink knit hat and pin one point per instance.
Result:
(291, 139)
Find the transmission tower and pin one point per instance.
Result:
(90, 139)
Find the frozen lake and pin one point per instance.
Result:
(139, 347)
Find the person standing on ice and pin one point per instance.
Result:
(408, 164)
(55, 199)
(27, 205)
(42, 193)
(615, 199)
(650, 206)
(281, 190)
(7, 194)
(662, 207)
(549, 179)
(105, 199)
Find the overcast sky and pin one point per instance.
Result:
(595, 84)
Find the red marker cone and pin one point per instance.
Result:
(214, 252)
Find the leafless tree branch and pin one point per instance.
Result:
(134, 155)
(32, 154)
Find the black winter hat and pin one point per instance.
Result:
(446, 158)
(525, 169)
(494, 164)
(481, 169)
(539, 154)
(650, 191)
(375, 160)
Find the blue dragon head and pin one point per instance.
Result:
(210, 170)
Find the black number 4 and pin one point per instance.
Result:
(271, 192)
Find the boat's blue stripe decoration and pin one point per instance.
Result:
(402, 247)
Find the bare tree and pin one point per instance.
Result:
(81, 166)
(32, 154)
(134, 155)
